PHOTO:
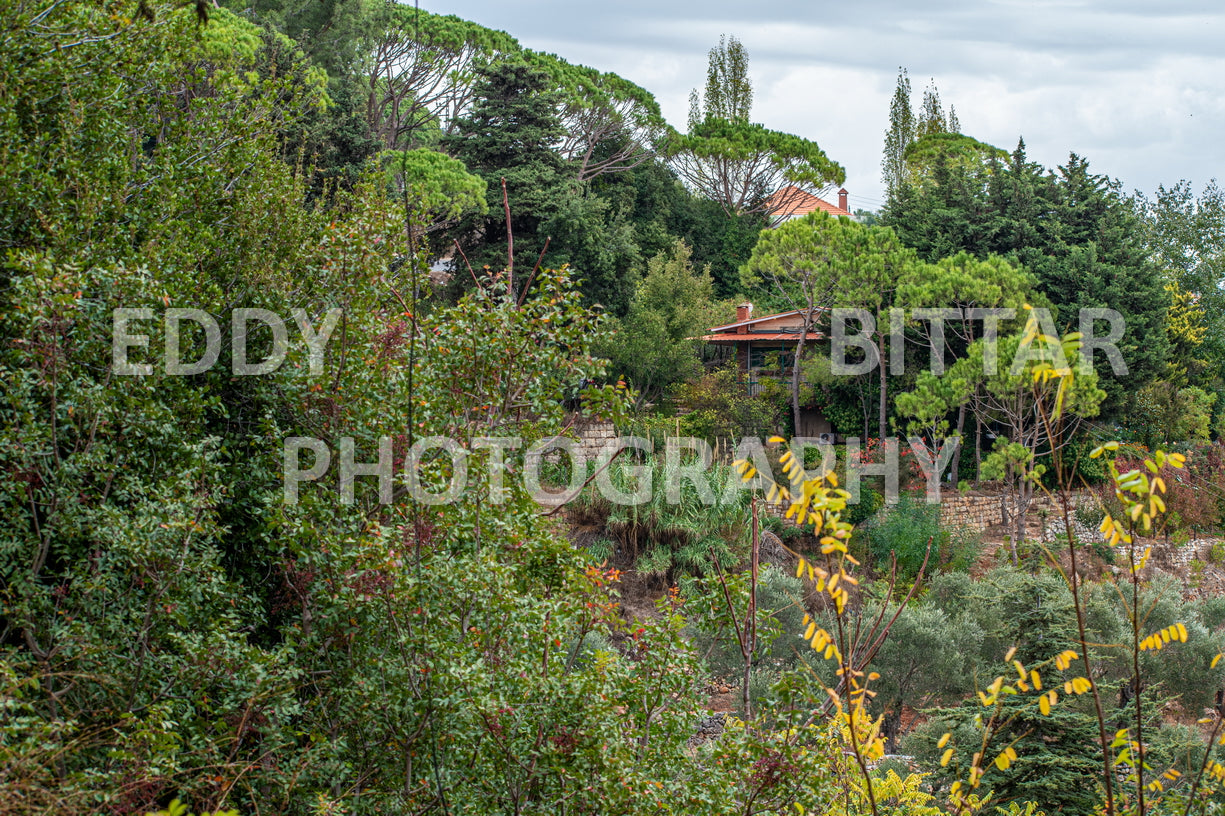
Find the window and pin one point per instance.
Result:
(771, 358)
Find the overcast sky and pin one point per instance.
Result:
(1138, 88)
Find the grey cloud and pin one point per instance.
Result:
(1134, 86)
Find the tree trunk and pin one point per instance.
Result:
(961, 424)
(750, 628)
(891, 724)
(795, 382)
(978, 447)
(880, 341)
(1024, 492)
(864, 402)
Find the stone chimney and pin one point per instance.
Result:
(744, 312)
(842, 200)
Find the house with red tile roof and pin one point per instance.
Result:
(792, 202)
(765, 347)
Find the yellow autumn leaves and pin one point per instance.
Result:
(818, 504)
(1175, 632)
(1139, 492)
(820, 640)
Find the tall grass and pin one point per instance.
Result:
(671, 532)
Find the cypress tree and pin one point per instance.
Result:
(510, 134)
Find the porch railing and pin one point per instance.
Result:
(754, 381)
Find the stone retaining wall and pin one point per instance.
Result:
(593, 436)
(974, 511)
(977, 512)
(1178, 557)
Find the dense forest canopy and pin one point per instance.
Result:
(294, 299)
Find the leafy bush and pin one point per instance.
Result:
(925, 660)
(780, 614)
(1195, 496)
(790, 534)
(1060, 762)
(870, 501)
(903, 532)
(654, 345)
(718, 404)
(1088, 471)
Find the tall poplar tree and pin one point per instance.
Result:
(743, 166)
(931, 113)
(729, 92)
(906, 128)
(900, 135)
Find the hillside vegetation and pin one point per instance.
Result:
(296, 297)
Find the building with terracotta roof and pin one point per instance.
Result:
(792, 202)
(765, 347)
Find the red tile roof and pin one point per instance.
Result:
(759, 337)
(792, 202)
(753, 320)
(730, 333)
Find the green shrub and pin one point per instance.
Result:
(1088, 514)
(788, 533)
(602, 550)
(1196, 570)
(1216, 554)
(959, 548)
(780, 616)
(869, 502)
(719, 405)
(903, 532)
